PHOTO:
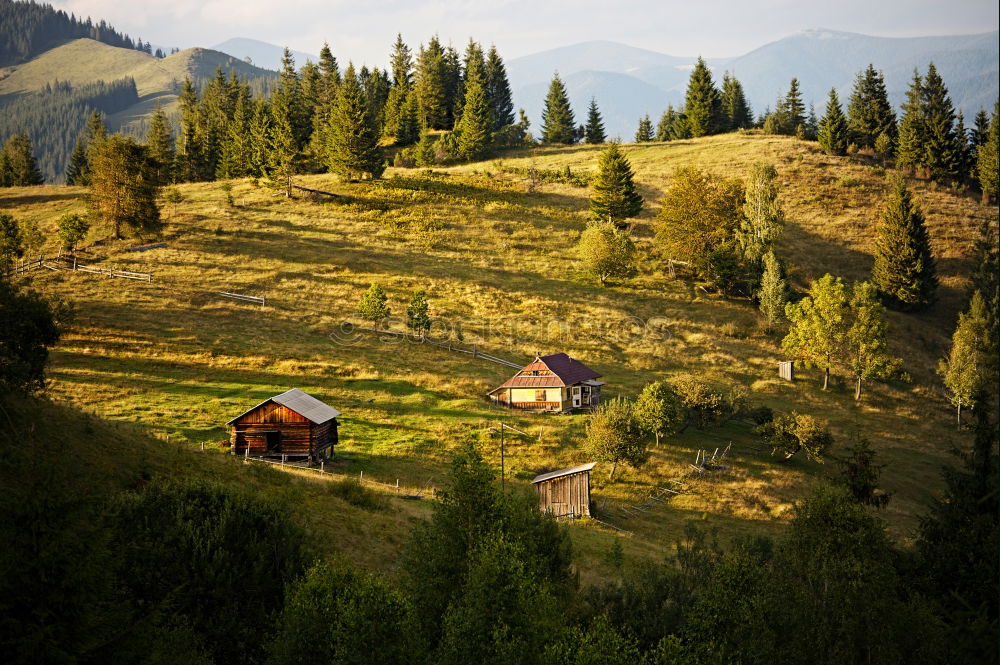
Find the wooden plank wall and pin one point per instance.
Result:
(299, 437)
(565, 495)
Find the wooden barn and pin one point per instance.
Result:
(565, 492)
(555, 383)
(290, 425)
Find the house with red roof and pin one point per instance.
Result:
(555, 383)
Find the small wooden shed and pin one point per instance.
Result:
(292, 424)
(565, 492)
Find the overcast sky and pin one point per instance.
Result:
(363, 30)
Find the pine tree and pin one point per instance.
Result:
(258, 162)
(160, 146)
(867, 347)
(735, 108)
(11, 244)
(329, 82)
(237, 146)
(773, 293)
(124, 187)
(833, 128)
(939, 150)
(20, 165)
(986, 161)
(475, 128)
(354, 149)
(869, 112)
(644, 134)
(452, 70)
(372, 306)
(498, 91)
(594, 131)
(912, 127)
(903, 271)
(614, 197)
(703, 103)
(818, 325)
(558, 125)
(966, 372)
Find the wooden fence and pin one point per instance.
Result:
(428, 491)
(423, 339)
(70, 263)
(242, 298)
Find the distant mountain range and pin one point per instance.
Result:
(261, 54)
(629, 82)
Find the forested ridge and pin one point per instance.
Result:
(28, 28)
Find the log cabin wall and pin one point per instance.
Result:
(295, 433)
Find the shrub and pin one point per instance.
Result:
(703, 404)
(353, 492)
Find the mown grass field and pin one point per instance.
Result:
(498, 263)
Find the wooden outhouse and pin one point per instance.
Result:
(555, 383)
(565, 492)
(290, 425)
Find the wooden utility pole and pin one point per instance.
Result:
(502, 426)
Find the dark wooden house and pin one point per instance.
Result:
(555, 383)
(565, 492)
(291, 425)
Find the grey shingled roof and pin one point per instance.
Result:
(305, 405)
(563, 472)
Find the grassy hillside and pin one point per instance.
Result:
(498, 263)
(158, 80)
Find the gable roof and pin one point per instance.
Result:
(565, 372)
(305, 405)
(563, 472)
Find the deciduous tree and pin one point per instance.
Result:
(818, 324)
(867, 346)
(659, 409)
(615, 435)
(607, 252)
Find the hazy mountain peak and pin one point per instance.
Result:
(260, 54)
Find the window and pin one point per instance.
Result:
(539, 395)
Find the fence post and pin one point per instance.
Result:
(397, 485)
(361, 478)
(202, 446)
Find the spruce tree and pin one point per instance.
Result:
(432, 86)
(417, 318)
(665, 128)
(558, 125)
(981, 128)
(21, 167)
(408, 130)
(869, 112)
(76, 169)
(793, 110)
(939, 154)
(614, 197)
(354, 142)
(189, 145)
(904, 271)
(401, 62)
(475, 128)
(703, 103)
(833, 128)
(594, 131)
(735, 108)
(986, 161)
(498, 91)
(124, 187)
(963, 149)
(160, 146)
(644, 133)
(912, 128)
